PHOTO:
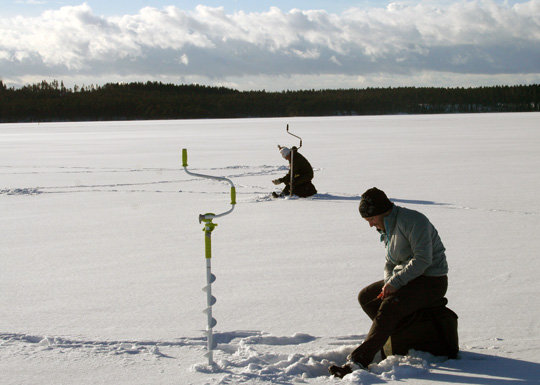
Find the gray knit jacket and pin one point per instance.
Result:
(413, 247)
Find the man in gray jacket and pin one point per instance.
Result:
(415, 273)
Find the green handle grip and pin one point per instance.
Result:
(207, 245)
(233, 195)
(184, 157)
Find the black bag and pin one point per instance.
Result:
(433, 330)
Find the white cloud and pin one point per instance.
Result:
(398, 42)
(183, 59)
(333, 59)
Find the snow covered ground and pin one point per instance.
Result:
(102, 255)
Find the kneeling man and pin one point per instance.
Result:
(415, 273)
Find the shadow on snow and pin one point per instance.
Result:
(335, 197)
(482, 369)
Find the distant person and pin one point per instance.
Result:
(415, 274)
(302, 175)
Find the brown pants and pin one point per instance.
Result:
(421, 292)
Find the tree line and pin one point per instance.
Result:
(52, 101)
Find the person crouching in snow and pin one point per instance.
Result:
(415, 273)
(302, 175)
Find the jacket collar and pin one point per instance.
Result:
(391, 219)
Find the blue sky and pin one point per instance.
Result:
(109, 8)
(249, 45)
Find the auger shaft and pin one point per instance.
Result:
(210, 299)
(292, 161)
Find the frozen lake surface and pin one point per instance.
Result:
(102, 257)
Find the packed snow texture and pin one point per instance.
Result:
(102, 260)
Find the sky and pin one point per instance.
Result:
(272, 45)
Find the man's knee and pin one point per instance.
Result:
(362, 297)
(369, 293)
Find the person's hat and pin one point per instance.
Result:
(285, 152)
(374, 202)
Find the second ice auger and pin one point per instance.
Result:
(292, 160)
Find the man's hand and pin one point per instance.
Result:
(276, 181)
(387, 290)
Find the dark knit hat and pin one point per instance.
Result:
(374, 202)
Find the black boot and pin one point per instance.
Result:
(339, 371)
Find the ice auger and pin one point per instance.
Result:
(210, 278)
(292, 159)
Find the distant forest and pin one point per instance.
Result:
(47, 102)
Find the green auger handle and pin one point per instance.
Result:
(184, 157)
(233, 195)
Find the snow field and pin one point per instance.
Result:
(103, 257)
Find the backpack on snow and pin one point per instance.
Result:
(433, 330)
